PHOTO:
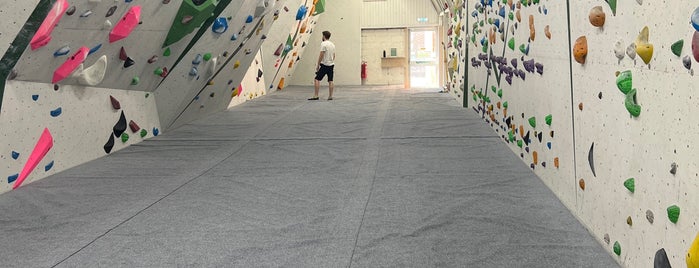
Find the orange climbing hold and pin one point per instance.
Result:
(532, 30)
(580, 49)
(582, 184)
(555, 162)
(535, 157)
(281, 84)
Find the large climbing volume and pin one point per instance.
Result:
(191, 15)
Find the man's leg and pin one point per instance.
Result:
(316, 83)
(331, 87)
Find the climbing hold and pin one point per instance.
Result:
(532, 121)
(524, 49)
(126, 25)
(133, 126)
(549, 118)
(580, 49)
(687, 62)
(599, 95)
(143, 133)
(693, 254)
(234, 37)
(649, 216)
(167, 52)
(156, 132)
(643, 48)
(107, 24)
(124, 137)
(580, 106)
(71, 11)
(109, 145)
(695, 19)
(673, 213)
(631, 105)
(581, 183)
(158, 71)
(630, 185)
(301, 13)
(56, 112)
(617, 248)
(220, 25)
(70, 65)
(43, 34)
(42, 147)
(590, 159)
(61, 51)
(120, 125)
(597, 16)
(249, 19)
(624, 81)
(511, 43)
(555, 162)
(48, 166)
(94, 74)
(612, 5)
(661, 260)
(194, 71)
(197, 59)
(535, 157)
(129, 62)
(55, 87)
(547, 32)
(153, 59)
(94, 49)
(86, 14)
(115, 103)
(111, 11)
(12, 75)
(164, 72)
(122, 54)
(606, 239)
(629, 221)
(207, 56)
(673, 168)
(619, 50)
(677, 47)
(135, 80)
(236, 64)
(12, 178)
(15, 155)
(191, 15)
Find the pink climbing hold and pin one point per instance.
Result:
(695, 46)
(43, 145)
(127, 23)
(70, 65)
(43, 35)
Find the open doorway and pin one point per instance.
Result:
(424, 58)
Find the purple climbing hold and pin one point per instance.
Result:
(529, 65)
(539, 68)
(514, 63)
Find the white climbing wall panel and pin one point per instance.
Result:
(14, 14)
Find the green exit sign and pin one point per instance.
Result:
(421, 19)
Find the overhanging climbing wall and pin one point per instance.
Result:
(87, 78)
(605, 108)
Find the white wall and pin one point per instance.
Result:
(398, 13)
(374, 43)
(342, 19)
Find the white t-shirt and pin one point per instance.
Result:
(329, 56)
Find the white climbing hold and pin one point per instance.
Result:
(212, 66)
(94, 74)
(631, 51)
(619, 50)
(107, 25)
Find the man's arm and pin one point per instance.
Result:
(320, 59)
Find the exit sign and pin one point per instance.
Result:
(421, 19)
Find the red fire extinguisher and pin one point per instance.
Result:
(363, 72)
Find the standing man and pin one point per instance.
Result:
(326, 65)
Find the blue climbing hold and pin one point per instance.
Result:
(548, 144)
(502, 11)
(95, 49)
(48, 166)
(62, 51)
(695, 19)
(301, 13)
(249, 19)
(56, 112)
(220, 25)
(128, 1)
(12, 178)
(193, 71)
(35, 97)
(234, 37)
(156, 131)
(196, 98)
(197, 59)
(15, 155)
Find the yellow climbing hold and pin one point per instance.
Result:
(236, 64)
(693, 254)
(643, 48)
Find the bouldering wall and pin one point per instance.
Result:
(592, 96)
(83, 79)
(453, 48)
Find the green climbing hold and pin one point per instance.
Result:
(191, 15)
(135, 80)
(677, 48)
(500, 93)
(207, 56)
(523, 49)
(673, 212)
(624, 81)
(143, 133)
(158, 71)
(124, 137)
(475, 97)
(612, 5)
(549, 118)
(147, 94)
(494, 89)
(505, 104)
(512, 15)
(532, 121)
(511, 135)
(617, 248)
(631, 105)
(519, 143)
(630, 184)
(485, 48)
(511, 43)
(167, 52)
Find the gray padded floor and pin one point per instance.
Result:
(375, 178)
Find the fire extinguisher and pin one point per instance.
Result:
(363, 72)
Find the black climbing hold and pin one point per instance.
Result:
(56, 87)
(540, 136)
(111, 11)
(590, 159)
(526, 138)
(599, 95)
(129, 62)
(120, 126)
(109, 145)
(661, 260)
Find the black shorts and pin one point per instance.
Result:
(329, 70)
